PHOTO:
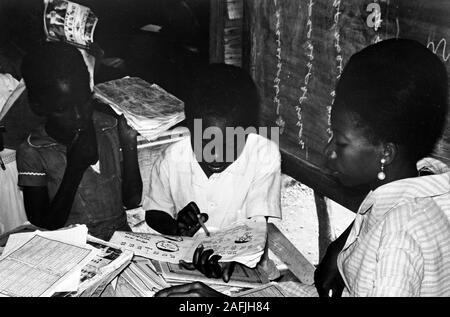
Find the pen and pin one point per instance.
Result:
(199, 217)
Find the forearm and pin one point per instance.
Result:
(161, 222)
(61, 205)
(131, 180)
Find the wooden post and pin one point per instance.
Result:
(216, 31)
(325, 234)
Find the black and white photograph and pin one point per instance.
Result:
(304, 142)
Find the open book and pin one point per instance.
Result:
(241, 242)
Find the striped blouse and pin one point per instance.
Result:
(399, 244)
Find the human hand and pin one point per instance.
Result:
(327, 276)
(187, 220)
(209, 265)
(83, 152)
(197, 289)
(127, 135)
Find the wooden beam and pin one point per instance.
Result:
(216, 31)
(290, 255)
(322, 183)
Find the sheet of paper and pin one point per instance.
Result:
(267, 290)
(152, 246)
(39, 265)
(76, 235)
(241, 242)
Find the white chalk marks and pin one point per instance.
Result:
(277, 81)
(339, 60)
(309, 50)
(440, 49)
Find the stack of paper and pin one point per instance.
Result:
(242, 276)
(141, 275)
(39, 264)
(66, 262)
(148, 108)
(241, 242)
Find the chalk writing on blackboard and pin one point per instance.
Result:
(280, 122)
(435, 48)
(309, 65)
(339, 61)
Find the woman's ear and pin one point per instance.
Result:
(390, 152)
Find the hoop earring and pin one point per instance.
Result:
(381, 175)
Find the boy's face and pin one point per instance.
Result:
(70, 111)
(219, 148)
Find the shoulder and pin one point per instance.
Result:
(26, 152)
(417, 216)
(262, 150)
(178, 151)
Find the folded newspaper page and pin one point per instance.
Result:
(69, 22)
(241, 242)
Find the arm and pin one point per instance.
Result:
(186, 224)
(52, 215)
(32, 177)
(131, 179)
(161, 221)
(327, 276)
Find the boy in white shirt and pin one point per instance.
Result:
(229, 171)
(229, 177)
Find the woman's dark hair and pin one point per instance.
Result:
(223, 91)
(50, 65)
(397, 90)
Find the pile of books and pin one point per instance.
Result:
(148, 108)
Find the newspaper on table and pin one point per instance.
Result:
(141, 275)
(148, 108)
(69, 22)
(241, 242)
(271, 289)
(102, 269)
(38, 265)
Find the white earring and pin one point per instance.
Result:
(381, 175)
(333, 155)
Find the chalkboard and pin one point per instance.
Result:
(298, 49)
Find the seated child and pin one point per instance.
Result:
(71, 168)
(229, 175)
(227, 180)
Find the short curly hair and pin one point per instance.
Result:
(397, 90)
(224, 91)
(50, 64)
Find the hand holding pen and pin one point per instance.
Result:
(190, 220)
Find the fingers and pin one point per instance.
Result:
(203, 264)
(187, 266)
(228, 270)
(187, 219)
(176, 291)
(197, 254)
(206, 262)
